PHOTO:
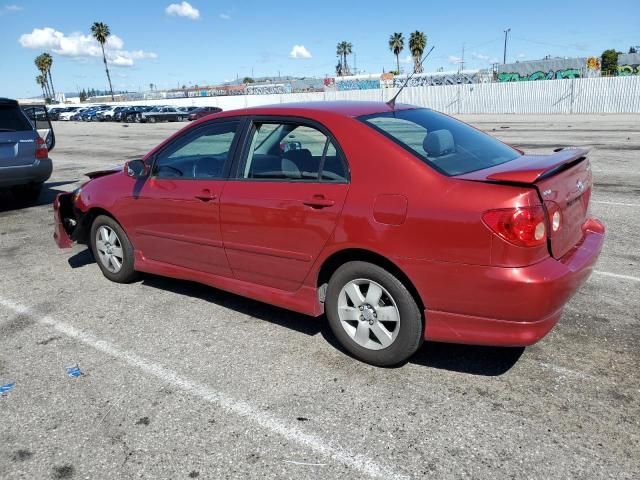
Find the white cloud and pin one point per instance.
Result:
(183, 9)
(454, 60)
(407, 59)
(299, 51)
(78, 45)
(480, 56)
(521, 55)
(10, 9)
(225, 16)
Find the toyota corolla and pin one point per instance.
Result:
(399, 223)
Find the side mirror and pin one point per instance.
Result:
(136, 169)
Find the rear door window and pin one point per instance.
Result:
(13, 120)
(446, 144)
(292, 152)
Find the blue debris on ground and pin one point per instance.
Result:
(6, 388)
(74, 372)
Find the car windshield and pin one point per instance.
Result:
(446, 144)
(12, 120)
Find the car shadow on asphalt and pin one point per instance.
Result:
(469, 359)
(49, 192)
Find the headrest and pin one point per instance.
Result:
(289, 169)
(438, 143)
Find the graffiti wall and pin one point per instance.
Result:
(440, 78)
(628, 64)
(353, 83)
(548, 69)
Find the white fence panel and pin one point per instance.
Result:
(583, 95)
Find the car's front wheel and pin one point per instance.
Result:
(151, 119)
(372, 314)
(112, 250)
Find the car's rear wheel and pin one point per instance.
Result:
(372, 314)
(112, 250)
(179, 119)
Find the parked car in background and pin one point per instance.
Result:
(400, 223)
(203, 112)
(135, 114)
(107, 114)
(54, 112)
(69, 113)
(163, 114)
(187, 110)
(121, 114)
(90, 115)
(24, 157)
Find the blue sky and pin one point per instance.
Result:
(211, 41)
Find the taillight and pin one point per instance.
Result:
(555, 216)
(41, 149)
(521, 226)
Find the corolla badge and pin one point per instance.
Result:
(580, 185)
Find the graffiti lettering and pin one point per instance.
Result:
(357, 84)
(540, 75)
(626, 70)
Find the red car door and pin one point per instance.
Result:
(279, 211)
(177, 210)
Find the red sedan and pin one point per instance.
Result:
(401, 224)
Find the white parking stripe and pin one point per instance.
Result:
(617, 275)
(620, 204)
(240, 408)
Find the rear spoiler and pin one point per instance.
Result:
(531, 168)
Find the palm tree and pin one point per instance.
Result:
(40, 81)
(417, 44)
(100, 32)
(396, 45)
(48, 63)
(41, 66)
(343, 49)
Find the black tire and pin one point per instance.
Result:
(152, 120)
(126, 273)
(27, 193)
(411, 330)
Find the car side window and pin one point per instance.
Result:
(292, 152)
(201, 155)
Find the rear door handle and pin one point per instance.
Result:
(319, 202)
(206, 196)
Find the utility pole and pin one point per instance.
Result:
(461, 60)
(506, 35)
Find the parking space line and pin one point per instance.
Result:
(620, 204)
(617, 275)
(237, 407)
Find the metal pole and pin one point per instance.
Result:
(504, 56)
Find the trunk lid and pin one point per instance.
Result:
(563, 181)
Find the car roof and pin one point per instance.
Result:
(8, 102)
(344, 108)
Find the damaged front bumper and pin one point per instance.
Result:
(66, 222)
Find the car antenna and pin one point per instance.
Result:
(392, 102)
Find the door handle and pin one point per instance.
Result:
(319, 202)
(206, 196)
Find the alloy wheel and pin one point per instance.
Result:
(109, 249)
(368, 314)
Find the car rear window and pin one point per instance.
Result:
(446, 144)
(13, 120)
